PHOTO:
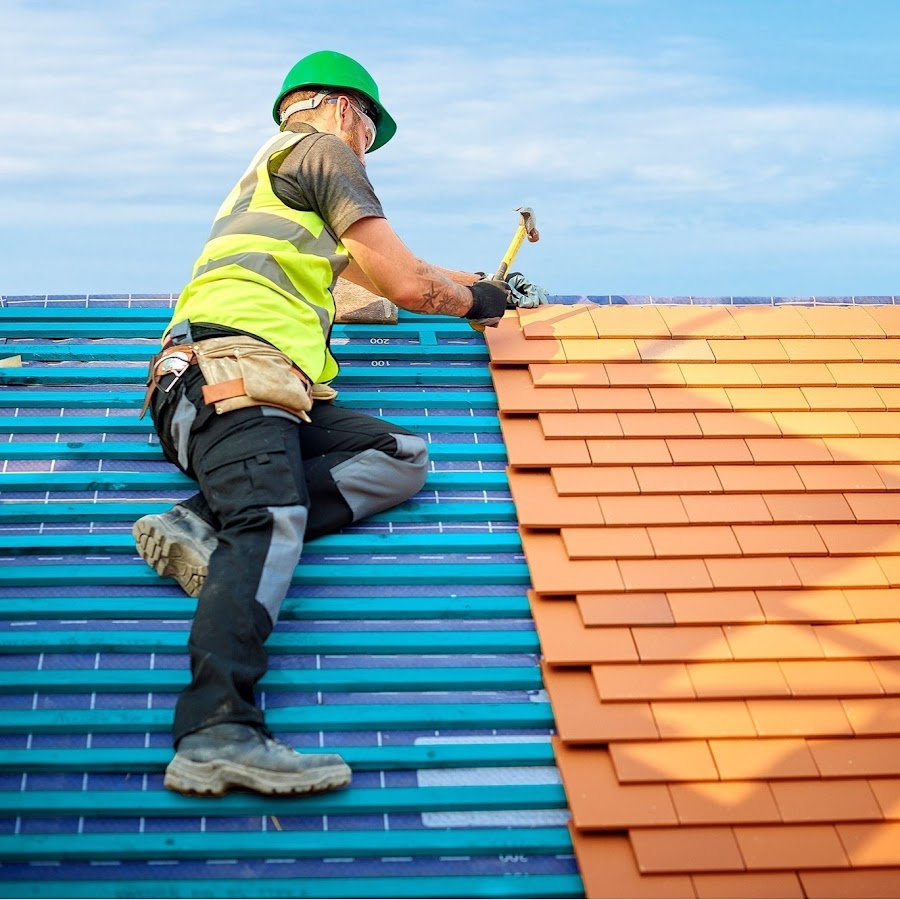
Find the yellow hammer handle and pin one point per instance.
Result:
(510, 254)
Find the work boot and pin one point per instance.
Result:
(214, 759)
(177, 544)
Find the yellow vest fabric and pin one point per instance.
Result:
(268, 269)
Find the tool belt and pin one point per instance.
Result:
(239, 372)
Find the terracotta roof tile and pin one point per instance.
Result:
(856, 883)
(737, 679)
(887, 794)
(672, 761)
(589, 481)
(767, 540)
(734, 424)
(582, 718)
(774, 321)
(800, 717)
(888, 319)
(683, 643)
(709, 450)
(666, 850)
(516, 393)
(749, 884)
(795, 373)
(873, 716)
(874, 605)
(871, 757)
(839, 477)
(527, 446)
(703, 719)
(715, 607)
(662, 681)
(878, 350)
(714, 540)
(845, 397)
(625, 609)
(750, 572)
(567, 376)
(767, 398)
(607, 543)
(836, 350)
(615, 399)
(724, 803)
(625, 451)
(662, 574)
(700, 321)
(791, 847)
(557, 322)
(769, 759)
(553, 571)
(645, 509)
(848, 321)
(720, 375)
(609, 869)
(874, 374)
(630, 321)
(749, 350)
(793, 450)
(753, 479)
(872, 844)
(805, 606)
(689, 398)
(724, 508)
(598, 800)
(566, 641)
(539, 506)
(773, 641)
(829, 678)
(709, 500)
(648, 374)
(675, 351)
(839, 801)
(604, 350)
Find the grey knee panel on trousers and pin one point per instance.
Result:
(374, 481)
(289, 526)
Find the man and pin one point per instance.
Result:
(240, 399)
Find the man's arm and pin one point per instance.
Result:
(393, 271)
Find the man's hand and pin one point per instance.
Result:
(489, 301)
(523, 293)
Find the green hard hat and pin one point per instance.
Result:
(327, 68)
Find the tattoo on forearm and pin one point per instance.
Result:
(441, 295)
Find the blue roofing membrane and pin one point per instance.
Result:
(405, 644)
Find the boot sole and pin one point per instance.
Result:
(213, 779)
(168, 558)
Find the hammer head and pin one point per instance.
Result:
(529, 223)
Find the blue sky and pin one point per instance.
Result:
(668, 147)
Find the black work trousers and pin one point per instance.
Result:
(267, 482)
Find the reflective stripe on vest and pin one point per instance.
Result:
(268, 269)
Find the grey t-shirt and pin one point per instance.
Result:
(322, 174)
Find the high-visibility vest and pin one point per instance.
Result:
(268, 269)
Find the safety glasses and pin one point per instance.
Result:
(366, 115)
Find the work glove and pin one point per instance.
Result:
(523, 293)
(490, 299)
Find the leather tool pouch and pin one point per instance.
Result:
(241, 371)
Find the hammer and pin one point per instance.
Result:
(527, 228)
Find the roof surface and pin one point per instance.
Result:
(406, 644)
(709, 507)
(706, 492)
